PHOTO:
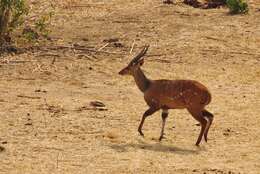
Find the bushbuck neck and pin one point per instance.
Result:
(141, 80)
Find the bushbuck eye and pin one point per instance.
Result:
(141, 62)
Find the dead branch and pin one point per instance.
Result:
(132, 47)
(53, 61)
(103, 46)
(232, 52)
(29, 97)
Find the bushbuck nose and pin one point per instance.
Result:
(122, 72)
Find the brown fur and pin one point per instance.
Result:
(171, 94)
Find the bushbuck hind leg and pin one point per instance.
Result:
(197, 114)
(147, 113)
(209, 117)
(164, 116)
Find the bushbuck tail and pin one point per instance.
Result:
(171, 94)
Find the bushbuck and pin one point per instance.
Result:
(171, 94)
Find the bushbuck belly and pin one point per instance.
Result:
(176, 94)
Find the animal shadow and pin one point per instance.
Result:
(157, 147)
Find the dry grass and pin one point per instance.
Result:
(65, 136)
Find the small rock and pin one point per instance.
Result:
(4, 142)
(97, 104)
(111, 40)
(2, 149)
(85, 39)
(39, 90)
(167, 2)
(118, 44)
(226, 134)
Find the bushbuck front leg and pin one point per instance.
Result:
(164, 116)
(209, 117)
(147, 113)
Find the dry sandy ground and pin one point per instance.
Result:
(48, 126)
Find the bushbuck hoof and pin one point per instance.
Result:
(197, 144)
(161, 137)
(141, 133)
(206, 139)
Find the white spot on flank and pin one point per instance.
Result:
(207, 119)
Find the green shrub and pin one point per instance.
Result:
(42, 23)
(237, 6)
(11, 16)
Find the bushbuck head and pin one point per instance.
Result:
(135, 63)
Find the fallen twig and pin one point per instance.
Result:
(103, 47)
(97, 104)
(132, 47)
(30, 97)
(233, 52)
(53, 60)
(21, 78)
(213, 38)
(16, 61)
(47, 55)
(155, 55)
(2, 149)
(57, 161)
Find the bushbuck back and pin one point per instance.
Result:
(171, 94)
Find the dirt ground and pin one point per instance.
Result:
(48, 125)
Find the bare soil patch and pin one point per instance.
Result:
(49, 125)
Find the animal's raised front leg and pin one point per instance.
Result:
(164, 116)
(147, 113)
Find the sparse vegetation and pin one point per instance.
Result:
(65, 109)
(43, 22)
(12, 14)
(39, 28)
(237, 6)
